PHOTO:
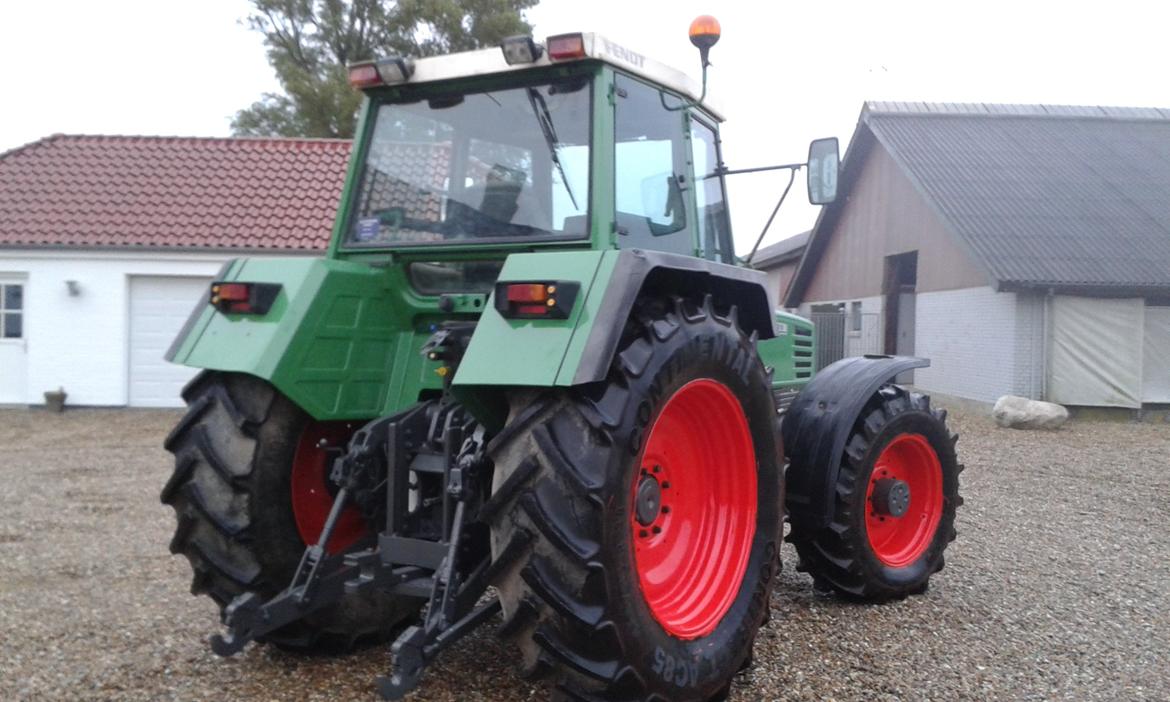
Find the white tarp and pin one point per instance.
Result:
(1097, 348)
(1156, 364)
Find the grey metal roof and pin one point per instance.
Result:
(1044, 196)
(985, 109)
(785, 250)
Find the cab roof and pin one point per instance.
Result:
(597, 47)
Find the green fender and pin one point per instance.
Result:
(579, 349)
(341, 340)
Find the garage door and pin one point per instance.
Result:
(158, 309)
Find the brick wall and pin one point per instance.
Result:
(981, 344)
(1030, 345)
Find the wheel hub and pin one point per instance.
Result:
(905, 498)
(649, 501)
(891, 497)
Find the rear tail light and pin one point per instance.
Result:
(535, 299)
(566, 46)
(364, 75)
(243, 298)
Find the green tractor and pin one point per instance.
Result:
(530, 382)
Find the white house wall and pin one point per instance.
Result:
(81, 342)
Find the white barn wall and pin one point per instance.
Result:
(871, 338)
(978, 342)
(81, 343)
(1030, 365)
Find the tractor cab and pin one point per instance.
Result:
(575, 143)
(579, 142)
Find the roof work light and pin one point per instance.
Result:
(521, 49)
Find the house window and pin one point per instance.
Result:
(855, 316)
(11, 311)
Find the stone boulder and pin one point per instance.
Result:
(1021, 413)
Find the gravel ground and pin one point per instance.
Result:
(1057, 588)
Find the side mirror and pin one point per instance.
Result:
(824, 161)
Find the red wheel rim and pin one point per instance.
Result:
(311, 497)
(692, 555)
(899, 541)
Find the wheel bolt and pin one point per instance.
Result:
(643, 533)
(665, 509)
(657, 469)
(657, 530)
(665, 484)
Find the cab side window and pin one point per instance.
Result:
(714, 225)
(650, 171)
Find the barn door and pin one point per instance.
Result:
(900, 284)
(1096, 356)
(1156, 356)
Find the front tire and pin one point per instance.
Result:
(635, 525)
(894, 512)
(232, 491)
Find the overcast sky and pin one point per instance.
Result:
(784, 73)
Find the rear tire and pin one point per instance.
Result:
(866, 552)
(231, 493)
(566, 539)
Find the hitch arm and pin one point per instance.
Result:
(247, 617)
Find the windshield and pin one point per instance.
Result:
(504, 165)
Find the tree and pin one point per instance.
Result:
(310, 42)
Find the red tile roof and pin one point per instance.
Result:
(171, 192)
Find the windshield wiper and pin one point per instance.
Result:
(544, 118)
